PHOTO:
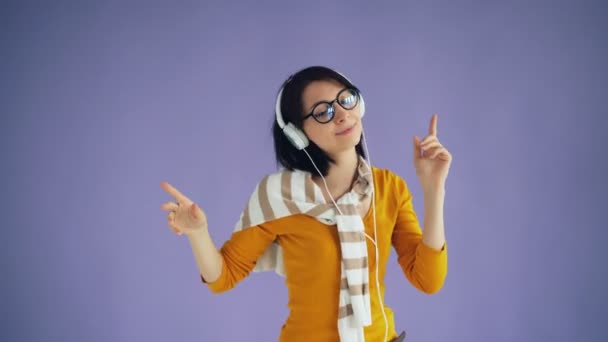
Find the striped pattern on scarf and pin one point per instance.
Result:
(287, 193)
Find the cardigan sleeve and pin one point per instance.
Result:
(239, 255)
(423, 266)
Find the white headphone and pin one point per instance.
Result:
(300, 141)
(296, 136)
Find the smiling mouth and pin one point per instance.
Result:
(348, 130)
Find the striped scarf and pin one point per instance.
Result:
(287, 193)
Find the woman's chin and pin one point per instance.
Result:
(343, 146)
(352, 139)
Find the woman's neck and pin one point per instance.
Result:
(340, 175)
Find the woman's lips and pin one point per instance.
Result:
(345, 132)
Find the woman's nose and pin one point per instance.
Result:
(340, 113)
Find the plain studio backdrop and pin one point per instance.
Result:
(101, 101)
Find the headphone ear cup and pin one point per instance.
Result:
(361, 106)
(297, 138)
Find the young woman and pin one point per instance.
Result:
(327, 220)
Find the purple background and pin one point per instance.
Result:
(103, 101)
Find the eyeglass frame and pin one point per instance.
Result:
(331, 105)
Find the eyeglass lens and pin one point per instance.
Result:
(325, 111)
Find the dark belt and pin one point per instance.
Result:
(399, 338)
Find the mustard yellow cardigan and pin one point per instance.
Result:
(311, 252)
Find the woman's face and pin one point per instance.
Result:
(343, 132)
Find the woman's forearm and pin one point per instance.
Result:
(434, 232)
(207, 257)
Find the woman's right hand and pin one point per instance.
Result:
(184, 217)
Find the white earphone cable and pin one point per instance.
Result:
(369, 160)
(374, 241)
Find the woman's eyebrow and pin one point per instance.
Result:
(316, 103)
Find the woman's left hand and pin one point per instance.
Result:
(433, 165)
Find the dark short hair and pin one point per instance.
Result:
(292, 109)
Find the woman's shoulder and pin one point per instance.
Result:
(390, 183)
(386, 175)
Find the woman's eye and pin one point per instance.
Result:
(324, 111)
(348, 100)
(322, 114)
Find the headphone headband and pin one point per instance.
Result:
(277, 108)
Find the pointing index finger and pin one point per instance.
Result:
(173, 192)
(433, 125)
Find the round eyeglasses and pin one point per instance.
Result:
(323, 112)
